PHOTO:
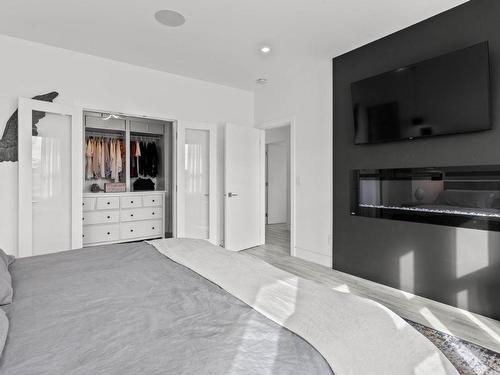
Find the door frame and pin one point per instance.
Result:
(289, 121)
(212, 198)
(25, 177)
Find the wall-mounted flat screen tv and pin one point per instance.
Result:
(448, 94)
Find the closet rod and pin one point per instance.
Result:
(98, 134)
(145, 137)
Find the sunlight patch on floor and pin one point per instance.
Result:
(434, 321)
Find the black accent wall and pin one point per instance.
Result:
(457, 266)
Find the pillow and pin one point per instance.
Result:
(6, 291)
(4, 330)
(467, 198)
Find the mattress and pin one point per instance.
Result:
(127, 309)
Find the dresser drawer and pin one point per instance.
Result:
(88, 204)
(152, 200)
(131, 201)
(100, 217)
(100, 233)
(134, 214)
(137, 229)
(108, 203)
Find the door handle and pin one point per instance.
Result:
(230, 195)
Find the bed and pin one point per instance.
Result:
(131, 309)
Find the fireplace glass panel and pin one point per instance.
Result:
(453, 196)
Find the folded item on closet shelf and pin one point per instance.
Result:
(143, 184)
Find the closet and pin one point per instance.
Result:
(128, 178)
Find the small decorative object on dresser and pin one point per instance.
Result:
(115, 187)
(95, 188)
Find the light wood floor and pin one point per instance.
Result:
(451, 320)
(277, 239)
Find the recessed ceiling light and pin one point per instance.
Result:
(261, 81)
(170, 18)
(265, 49)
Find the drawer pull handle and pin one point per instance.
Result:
(83, 218)
(83, 236)
(152, 213)
(131, 214)
(153, 200)
(83, 204)
(109, 202)
(131, 202)
(131, 230)
(153, 228)
(109, 233)
(109, 217)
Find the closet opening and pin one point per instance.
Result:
(128, 178)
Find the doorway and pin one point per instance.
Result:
(278, 189)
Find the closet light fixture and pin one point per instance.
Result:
(261, 81)
(170, 18)
(110, 116)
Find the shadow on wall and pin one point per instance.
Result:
(474, 262)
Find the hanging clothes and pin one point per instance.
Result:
(152, 160)
(104, 158)
(133, 159)
(88, 157)
(107, 160)
(95, 158)
(142, 159)
(148, 159)
(102, 171)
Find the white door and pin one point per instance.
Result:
(196, 177)
(244, 197)
(50, 177)
(277, 183)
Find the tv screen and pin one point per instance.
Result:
(448, 94)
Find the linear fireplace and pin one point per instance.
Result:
(454, 196)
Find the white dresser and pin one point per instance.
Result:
(121, 217)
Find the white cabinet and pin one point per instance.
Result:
(100, 217)
(140, 229)
(131, 201)
(88, 204)
(143, 213)
(108, 203)
(100, 233)
(145, 126)
(152, 200)
(121, 217)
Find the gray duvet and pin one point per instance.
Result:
(127, 309)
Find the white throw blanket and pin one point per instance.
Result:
(355, 335)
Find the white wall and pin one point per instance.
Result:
(304, 92)
(28, 69)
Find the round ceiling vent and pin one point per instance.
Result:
(170, 18)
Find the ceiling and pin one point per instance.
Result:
(220, 40)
